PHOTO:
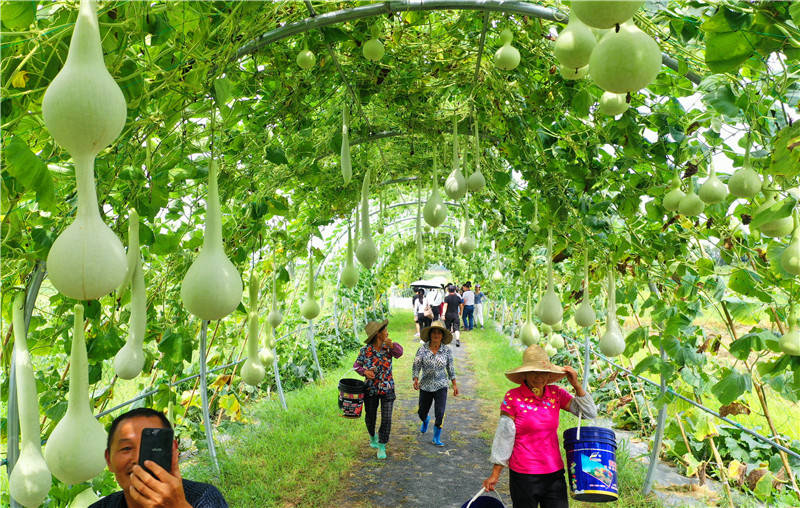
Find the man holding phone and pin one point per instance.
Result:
(151, 486)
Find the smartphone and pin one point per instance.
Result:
(156, 445)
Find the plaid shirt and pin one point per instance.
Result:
(380, 362)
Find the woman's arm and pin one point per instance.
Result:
(417, 365)
(444, 308)
(502, 447)
(582, 403)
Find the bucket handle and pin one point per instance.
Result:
(476, 496)
(580, 415)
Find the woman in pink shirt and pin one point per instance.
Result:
(526, 440)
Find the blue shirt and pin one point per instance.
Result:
(479, 297)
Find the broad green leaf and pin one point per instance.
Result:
(723, 100)
(30, 171)
(732, 385)
(745, 282)
(785, 160)
(276, 155)
(18, 14)
(726, 51)
(779, 210)
(222, 90)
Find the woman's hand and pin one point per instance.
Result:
(572, 377)
(490, 483)
(370, 374)
(455, 390)
(416, 384)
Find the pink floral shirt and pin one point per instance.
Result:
(536, 449)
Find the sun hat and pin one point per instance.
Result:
(373, 327)
(535, 359)
(425, 333)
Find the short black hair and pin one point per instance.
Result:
(134, 413)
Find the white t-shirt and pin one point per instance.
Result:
(468, 297)
(434, 298)
(419, 307)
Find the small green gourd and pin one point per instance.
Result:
(691, 205)
(574, 44)
(465, 243)
(551, 309)
(613, 104)
(347, 165)
(129, 360)
(435, 211)
(777, 228)
(507, 57)
(306, 59)
(789, 343)
(367, 252)
(373, 50)
(745, 182)
(275, 317)
(573, 73)
(790, 258)
(349, 276)
(713, 190)
(584, 315)
(529, 334)
(476, 181)
(253, 371)
(310, 308)
(612, 343)
(672, 199)
(456, 185)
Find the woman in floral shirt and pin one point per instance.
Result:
(374, 362)
(433, 367)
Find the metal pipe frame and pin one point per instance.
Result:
(392, 6)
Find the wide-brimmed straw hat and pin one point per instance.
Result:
(425, 333)
(373, 327)
(535, 359)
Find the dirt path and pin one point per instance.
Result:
(417, 473)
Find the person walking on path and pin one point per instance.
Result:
(469, 307)
(374, 362)
(432, 368)
(420, 303)
(452, 312)
(479, 297)
(526, 440)
(435, 301)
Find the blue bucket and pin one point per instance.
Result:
(592, 464)
(480, 501)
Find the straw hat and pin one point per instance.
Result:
(372, 329)
(425, 333)
(535, 359)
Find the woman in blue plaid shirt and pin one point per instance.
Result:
(433, 367)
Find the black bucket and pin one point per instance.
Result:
(351, 397)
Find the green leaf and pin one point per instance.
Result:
(276, 155)
(30, 171)
(581, 102)
(743, 346)
(176, 347)
(648, 364)
(732, 385)
(745, 283)
(723, 100)
(502, 178)
(785, 158)
(727, 51)
(222, 90)
(779, 210)
(18, 15)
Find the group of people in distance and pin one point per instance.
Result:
(451, 306)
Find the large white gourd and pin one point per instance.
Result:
(275, 317)
(744, 182)
(85, 499)
(129, 360)
(367, 252)
(253, 371)
(349, 275)
(435, 211)
(455, 186)
(584, 315)
(347, 166)
(612, 343)
(212, 287)
(612, 104)
(777, 228)
(476, 181)
(310, 308)
(507, 57)
(672, 199)
(529, 333)
(573, 73)
(76, 447)
(605, 13)
(551, 310)
(625, 60)
(83, 107)
(713, 190)
(30, 479)
(574, 44)
(466, 243)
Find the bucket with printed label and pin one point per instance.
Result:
(592, 463)
(351, 397)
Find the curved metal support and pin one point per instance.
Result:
(212, 451)
(660, 421)
(314, 348)
(392, 6)
(278, 381)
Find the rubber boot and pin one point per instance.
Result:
(424, 427)
(373, 441)
(437, 436)
(381, 450)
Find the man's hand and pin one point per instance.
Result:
(164, 490)
(370, 374)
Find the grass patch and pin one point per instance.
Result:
(491, 356)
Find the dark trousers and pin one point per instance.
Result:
(428, 398)
(371, 415)
(435, 309)
(423, 321)
(538, 490)
(469, 321)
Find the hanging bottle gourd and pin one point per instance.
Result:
(435, 211)
(373, 50)
(349, 275)
(790, 258)
(84, 110)
(789, 343)
(612, 343)
(574, 44)
(306, 58)
(30, 479)
(418, 236)
(275, 317)
(552, 312)
(347, 165)
(497, 276)
(310, 308)
(134, 255)
(367, 252)
(584, 315)
(744, 182)
(713, 190)
(75, 450)
(507, 57)
(212, 287)
(691, 205)
(455, 186)
(605, 13)
(266, 355)
(672, 199)
(529, 334)
(253, 370)
(535, 223)
(129, 360)
(777, 228)
(613, 104)
(476, 182)
(466, 243)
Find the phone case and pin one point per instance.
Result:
(156, 445)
